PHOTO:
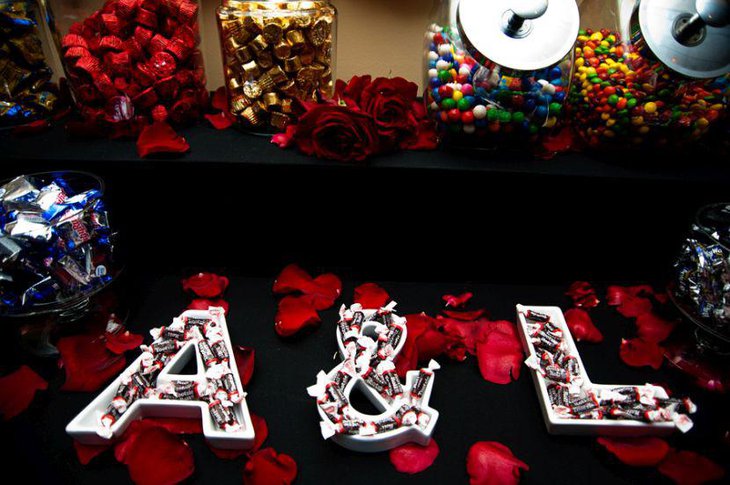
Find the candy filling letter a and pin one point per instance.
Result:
(369, 341)
(152, 386)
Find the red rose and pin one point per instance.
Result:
(206, 285)
(336, 132)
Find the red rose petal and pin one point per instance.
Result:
(324, 289)
(120, 342)
(205, 285)
(267, 467)
(654, 328)
(371, 295)
(644, 451)
(492, 463)
(466, 316)
(500, 357)
(245, 358)
(219, 100)
(86, 453)
(286, 139)
(159, 137)
(583, 294)
(628, 299)
(468, 332)
(219, 121)
(432, 344)
(204, 304)
(639, 352)
(17, 391)
(412, 458)
(87, 362)
(690, 468)
(32, 128)
(407, 359)
(158, 457)
(294, 314)
(457, 301)
(581, 326)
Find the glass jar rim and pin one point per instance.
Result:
(272, 6)
(707, 229)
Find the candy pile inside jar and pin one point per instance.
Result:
(465, 97)
(371, 359)
(219, 390)
(275, 52)
(136, 61)
(618, 93)
(26, 93)
(572, 397)
(54, 242)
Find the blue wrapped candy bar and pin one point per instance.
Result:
(55, 241)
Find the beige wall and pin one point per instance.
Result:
(378, 37)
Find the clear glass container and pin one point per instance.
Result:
(498, 72)
(26, 91)
(274, 53)
(650, 72)
(131, 62)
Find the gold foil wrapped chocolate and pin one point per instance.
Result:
(275, 52)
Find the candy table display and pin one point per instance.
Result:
(650, 72)
(131, 62)
(498, 72)
(274, 53)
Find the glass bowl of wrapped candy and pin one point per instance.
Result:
(56, 246)
(701, 286)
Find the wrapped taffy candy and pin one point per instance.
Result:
(131, 62)
(274, 53)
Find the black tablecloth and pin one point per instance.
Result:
(471, 409)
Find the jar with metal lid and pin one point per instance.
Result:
(274, 53)
(498, 71)
(131, 62)
(26, 91)
(650, 72)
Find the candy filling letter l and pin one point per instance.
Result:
(151, 387)
(369, 341)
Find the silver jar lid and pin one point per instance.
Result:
(524, 35)
(691, 37)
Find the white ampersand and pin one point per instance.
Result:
(369, 340)
(151, 387)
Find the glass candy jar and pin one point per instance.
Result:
(273, 53)
(498, 71)
(131, 62)
(650, 72)
(26, 91)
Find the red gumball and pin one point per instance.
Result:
(446, 92)
(454, 115)
(467, 117)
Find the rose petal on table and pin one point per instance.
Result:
(629, 300)
(371, 295)
(324, 289)
(640, 451)
(492, 463)
(407, 358)
(457, 301)
(267, 467)
(32, 128)
(219, 121)
(205, 285)
(413, 458)
(581, 326)
(17, 391)
(158, 457)
(638, 352)
(294, 314)
(245, 359)
(86, 453)
(120, 342)
(219, 100)
(87, 362)
(285, 139)
(690, 468)
(652, 327)
(466, 316)
(583, 294)
(500, 356)
(160, 137)
(204, 304)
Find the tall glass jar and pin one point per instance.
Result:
(498, 71)
(26, 91)
(650, 72)
(273, 53)
(131, 62)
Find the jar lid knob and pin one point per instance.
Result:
(520, 12)
(715, 13)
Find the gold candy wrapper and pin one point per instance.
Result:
(275, 52)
